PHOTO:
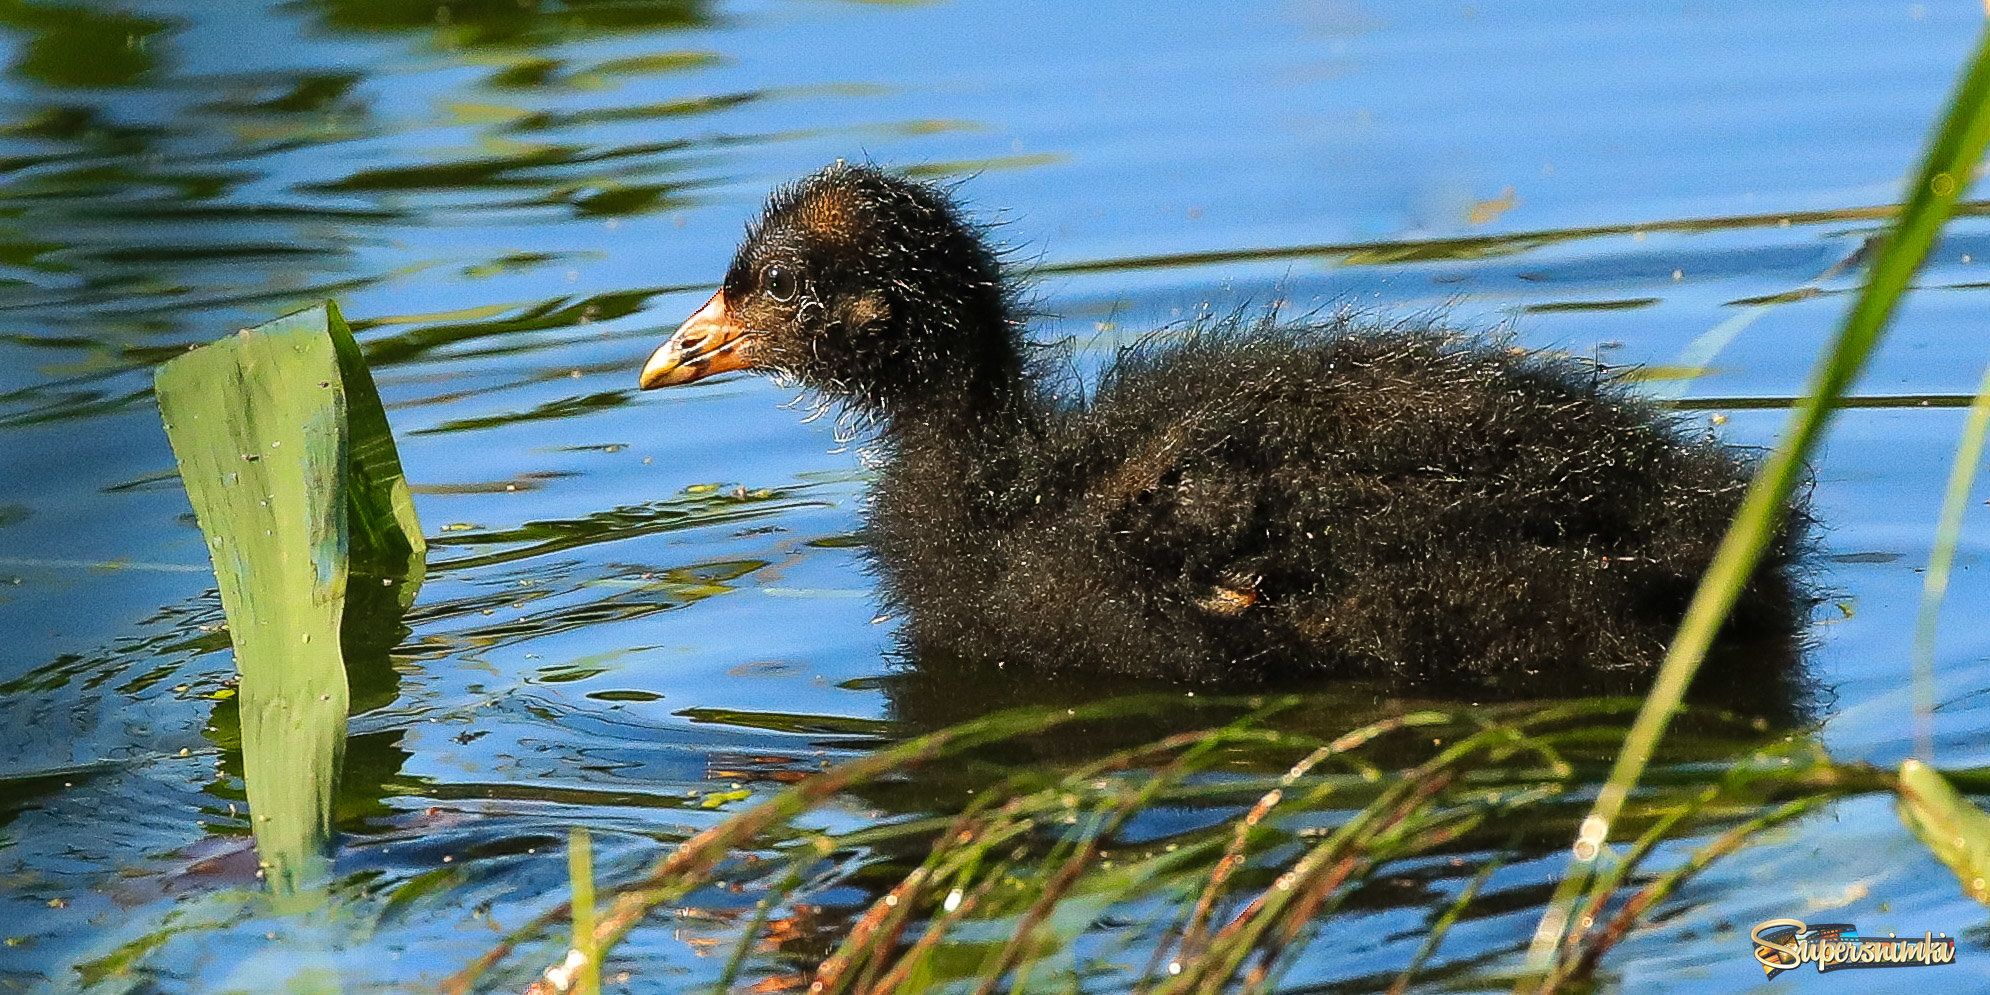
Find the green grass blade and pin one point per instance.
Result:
(257, 422)
(1935, 584)
(1956, 832)
(1957, 148)
(586, 965)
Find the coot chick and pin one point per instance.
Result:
(1237, 502)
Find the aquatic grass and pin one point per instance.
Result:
(1441, 928)
(1950, 163)
(1935, 583)
(1699, 355)
(1579, 960)
(1480, 247)
(1009, 892)
(586, 974)
(1956, 832)
(694, 861)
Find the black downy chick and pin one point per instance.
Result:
(1240, 502)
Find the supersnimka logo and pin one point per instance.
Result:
(1787, 944)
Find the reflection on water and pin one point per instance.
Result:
(645, 609)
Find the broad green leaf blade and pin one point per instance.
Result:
(257, 422)
(1956, 832)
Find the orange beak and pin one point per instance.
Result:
(708, 342)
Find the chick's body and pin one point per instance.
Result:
(1239, 501)
(1251, 503)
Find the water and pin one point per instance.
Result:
(640, 599)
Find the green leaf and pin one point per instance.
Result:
(285, 452)
(386, 537)
(1956, 832)
(257, 422)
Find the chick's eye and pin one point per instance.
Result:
(778, 282)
